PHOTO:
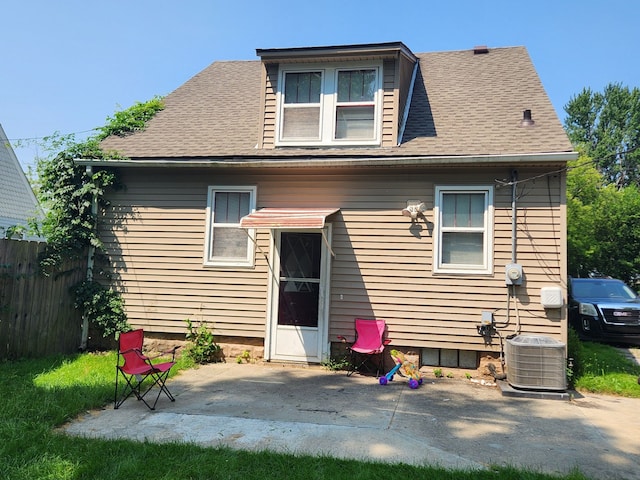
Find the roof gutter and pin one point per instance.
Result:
(235, 162)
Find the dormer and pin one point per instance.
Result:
(337, 96)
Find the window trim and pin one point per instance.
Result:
(329, 104)
(210, 261)
(488, 243)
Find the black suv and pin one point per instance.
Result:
(604, 309)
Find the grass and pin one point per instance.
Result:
(605, 370)
(40, 395)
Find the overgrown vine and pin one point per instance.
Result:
(67, 190)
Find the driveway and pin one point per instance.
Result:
(451, 422)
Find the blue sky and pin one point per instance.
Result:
(70, 64)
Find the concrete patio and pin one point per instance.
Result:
(450, 422)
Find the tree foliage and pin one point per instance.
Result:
(603, 224)
(606, 126)
(584, 184)
(603, 186)
(67, 192)
(132, 119)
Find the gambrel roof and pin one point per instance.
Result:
(464, 103)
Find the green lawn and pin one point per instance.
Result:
(605, 370)
(40, 395)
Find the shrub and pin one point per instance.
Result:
(103, 306)
(201, 347)
(575, 357)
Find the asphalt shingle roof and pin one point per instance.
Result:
(463, 104)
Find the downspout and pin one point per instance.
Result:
(90, 261)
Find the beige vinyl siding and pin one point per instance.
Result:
(390, 104)
(382, 266)
(156, 247)
(269, 102)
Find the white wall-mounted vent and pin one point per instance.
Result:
(551, 297)
(536, 362)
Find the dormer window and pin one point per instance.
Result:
(301, 106)
(330, 106)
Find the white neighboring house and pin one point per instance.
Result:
(18, 203)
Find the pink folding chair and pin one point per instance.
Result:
(140, 374)
(366, 350)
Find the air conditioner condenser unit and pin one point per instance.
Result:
(536, 362)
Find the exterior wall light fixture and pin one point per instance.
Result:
(414, 209)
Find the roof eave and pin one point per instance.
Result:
(390, 49)
(245, 162)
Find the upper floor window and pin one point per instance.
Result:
(329, 106)
(226, 243)
(463, 242)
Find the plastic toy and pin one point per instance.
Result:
(404, 368)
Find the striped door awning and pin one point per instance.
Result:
(287, 218)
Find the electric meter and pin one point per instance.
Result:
(513, 274)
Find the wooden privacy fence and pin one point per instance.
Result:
(37, 316)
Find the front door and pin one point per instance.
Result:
(298, 293)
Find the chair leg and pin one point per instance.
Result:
(380, 371)
(370, 363)
(131, 387)
(159, 379)
(352, 363)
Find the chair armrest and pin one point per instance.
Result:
(342, 338)
(387, 341)
(135, 350)
(171, 352)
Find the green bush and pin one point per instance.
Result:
(575, 357)
(337, 364)
(201, 347)
(103, 306)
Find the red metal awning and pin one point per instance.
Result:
(287, 218)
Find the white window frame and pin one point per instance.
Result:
(211, 261)
(329, 104)
(487, 252)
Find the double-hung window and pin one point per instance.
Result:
(463, 241)
(226, 243)
(330, 106)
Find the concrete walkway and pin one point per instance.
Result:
(453, 423)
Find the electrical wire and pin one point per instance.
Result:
(33, 139)
(592, 161)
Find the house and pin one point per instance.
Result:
(18, 204)
(279, 199)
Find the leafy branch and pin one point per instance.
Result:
(67, 192)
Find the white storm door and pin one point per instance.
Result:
(298, 297)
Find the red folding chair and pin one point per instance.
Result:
(366, 350)
(140, 374)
